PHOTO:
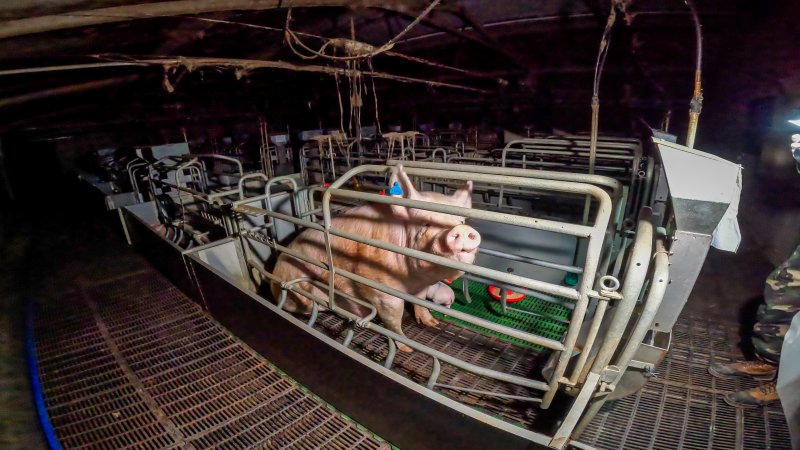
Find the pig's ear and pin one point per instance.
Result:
(464, 195)
(399, 175)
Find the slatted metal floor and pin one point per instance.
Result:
(683, 407)
(130, 362)
(462, 343)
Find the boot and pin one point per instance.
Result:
(753, 398)
(757, 370)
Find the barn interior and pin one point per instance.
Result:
(107, 343)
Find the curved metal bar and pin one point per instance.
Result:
(248, 177)
(534, 261)
(655, 295)
(594, 247)
(223, 158)
(437, 369)
(635, 274)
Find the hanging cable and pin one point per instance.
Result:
(605, 43)
(375, 96)
(355, 50)
(696, 104)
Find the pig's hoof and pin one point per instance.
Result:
(404, 348)
(428, 321)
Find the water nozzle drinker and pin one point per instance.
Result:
(396, 189)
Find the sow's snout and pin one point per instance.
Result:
(463, 242)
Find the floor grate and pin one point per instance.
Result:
(132, 363)
(530, 314)
(463, 343)
(683, 407)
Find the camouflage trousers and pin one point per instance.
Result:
(781, 303)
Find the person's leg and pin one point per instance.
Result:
(782, 301)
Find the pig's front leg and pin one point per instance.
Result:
(390, 310)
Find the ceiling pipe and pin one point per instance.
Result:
(65, 90)
(85, 18)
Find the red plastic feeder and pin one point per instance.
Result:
(511, 296)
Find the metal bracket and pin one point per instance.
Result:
(609, 374)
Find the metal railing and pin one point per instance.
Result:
(581, 295)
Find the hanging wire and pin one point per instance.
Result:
(602, 54)
(696, 104)
(360, 49)
(375, 96)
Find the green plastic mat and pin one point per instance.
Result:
(540, 317)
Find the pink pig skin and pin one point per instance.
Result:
(437, 233)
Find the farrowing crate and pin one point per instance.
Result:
(258, 247)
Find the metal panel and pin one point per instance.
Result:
(687, 253)
(164, 255)
(553, 247)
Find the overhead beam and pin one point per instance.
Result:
(85, 18)
(64, 90)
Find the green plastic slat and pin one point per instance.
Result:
(549, 319)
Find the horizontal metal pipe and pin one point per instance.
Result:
(540, 295)
(534, 261)
(527, 337)
(504, 277)
(538, 340)
(482, 371)
(493, 394)
(593, 253)
(578, 141)
(491, 216)
(599, 180)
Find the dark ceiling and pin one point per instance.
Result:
(532, 61)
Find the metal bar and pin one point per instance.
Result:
(655, 295)
(594, 248)
(641, 254)
(512, 332)
(489, 393)
(599, 180)
(247, 177)
(540, 295)
(505, 277)
(482, 371)
(537, 262)
(594, 327)
(221, 157)
(582, 231)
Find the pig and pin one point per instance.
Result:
(437, 233)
